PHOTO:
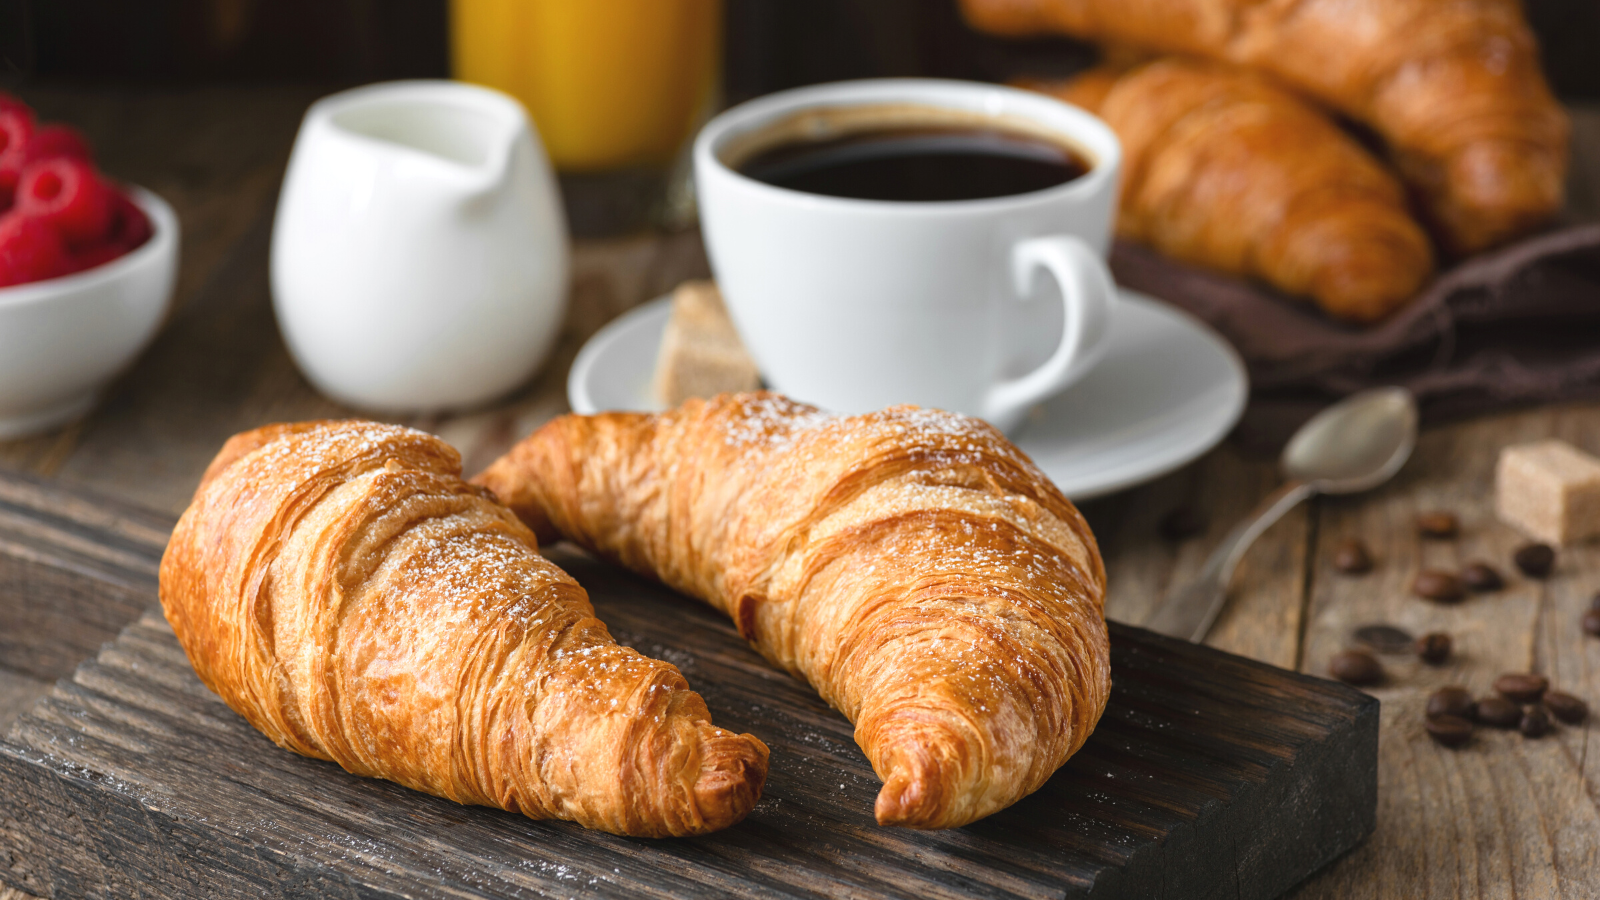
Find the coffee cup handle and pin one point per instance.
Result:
(1087, 295)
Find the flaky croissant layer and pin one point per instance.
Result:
(1224, 169)
(342, 588)
(911, 564)
(1452, 86)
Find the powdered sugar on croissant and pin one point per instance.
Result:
(911, 564)
(342, 588)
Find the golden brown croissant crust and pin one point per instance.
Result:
(1224, 169)
(342, 588)
(912, 565)
(1453, 86)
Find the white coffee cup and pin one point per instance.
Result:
(859, 304)
(419, 257)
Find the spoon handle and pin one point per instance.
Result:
(1189, 612)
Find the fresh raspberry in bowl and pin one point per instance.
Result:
(51, 141)
(87, 269)
(16, 130)
(58, 214)
(30, 251)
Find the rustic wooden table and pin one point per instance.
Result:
(1504, 816)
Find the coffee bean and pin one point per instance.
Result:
(1497, 712)
(1591, 622)
(1351, 557)
(1521, 688)
(1535, 722)
(1437, 524)
(1451, 731)
(1440, 587)
(1181, 523)
(1566, 707)
(1480, 578)
(1450, 701)
(1355, 667)
(1385, 638)
(1535, 560)
(1434, 648)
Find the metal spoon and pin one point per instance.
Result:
(1352, 446)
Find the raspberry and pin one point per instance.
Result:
(51, 141)
(30, 250)
(130, 228)
(67, 195)
(16, 128)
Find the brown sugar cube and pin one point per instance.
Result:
(701, 354)
(1550, 490)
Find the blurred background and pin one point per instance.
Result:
(737, 49)
(771, 44)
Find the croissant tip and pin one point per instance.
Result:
(730, 780)
(911, 800)
(890, 809)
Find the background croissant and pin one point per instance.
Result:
(344, 590)
(910, 564)
(1453, 86)
(1224, 169)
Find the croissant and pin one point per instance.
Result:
(1224, 169)
(912, 565)
(341, 587)
(1453, 86)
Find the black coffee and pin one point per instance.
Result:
(919, 164)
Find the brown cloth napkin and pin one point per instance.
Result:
(1515, 326)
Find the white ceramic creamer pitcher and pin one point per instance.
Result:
(419, 256)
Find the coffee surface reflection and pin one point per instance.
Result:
(918, 164)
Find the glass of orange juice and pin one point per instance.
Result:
(611, 84)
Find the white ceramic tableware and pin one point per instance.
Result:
(1167, 389)
(63, 339)
(859, 304)
(419, 256)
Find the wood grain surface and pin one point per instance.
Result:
(1505, 816)
(1209, 776)
(75, 572)
(1501, 817)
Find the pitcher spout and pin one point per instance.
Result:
(464, 136)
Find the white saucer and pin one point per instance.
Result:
(1167, 391)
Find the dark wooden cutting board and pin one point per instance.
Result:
(1209, 775)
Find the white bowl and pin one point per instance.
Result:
(63, 339)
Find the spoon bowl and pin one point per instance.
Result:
(1355, 444)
